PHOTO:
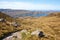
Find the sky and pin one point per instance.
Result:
(30, 4)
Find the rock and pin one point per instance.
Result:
(41, 34)
(15, 24)
(35, 32)
(2, 20)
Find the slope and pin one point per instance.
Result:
(5, 26)
(50, 25)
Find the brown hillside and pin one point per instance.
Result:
(2, 15)
(50, 25)
(54, 14)
(6, 28)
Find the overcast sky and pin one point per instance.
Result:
(30, 4)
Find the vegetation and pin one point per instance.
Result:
(50, 25)
(7, 29)
(26, 36)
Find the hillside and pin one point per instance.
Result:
(49, 25)
(5, 16)
(6, 26)
(54, 14)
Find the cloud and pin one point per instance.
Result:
(27, 6)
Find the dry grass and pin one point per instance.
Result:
(4, 28)
(50, 25)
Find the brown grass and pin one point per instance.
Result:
(50, 25)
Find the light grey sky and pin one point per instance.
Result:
(30, 4)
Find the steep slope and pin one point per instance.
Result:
(5, 26)
(7, 17)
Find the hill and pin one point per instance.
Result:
(54, 14)
(24, 13)
(5, 16)
(6, 25)
(50, 25)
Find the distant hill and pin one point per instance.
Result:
(23, 13)
(54, 14)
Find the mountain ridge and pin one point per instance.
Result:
(24, 13)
